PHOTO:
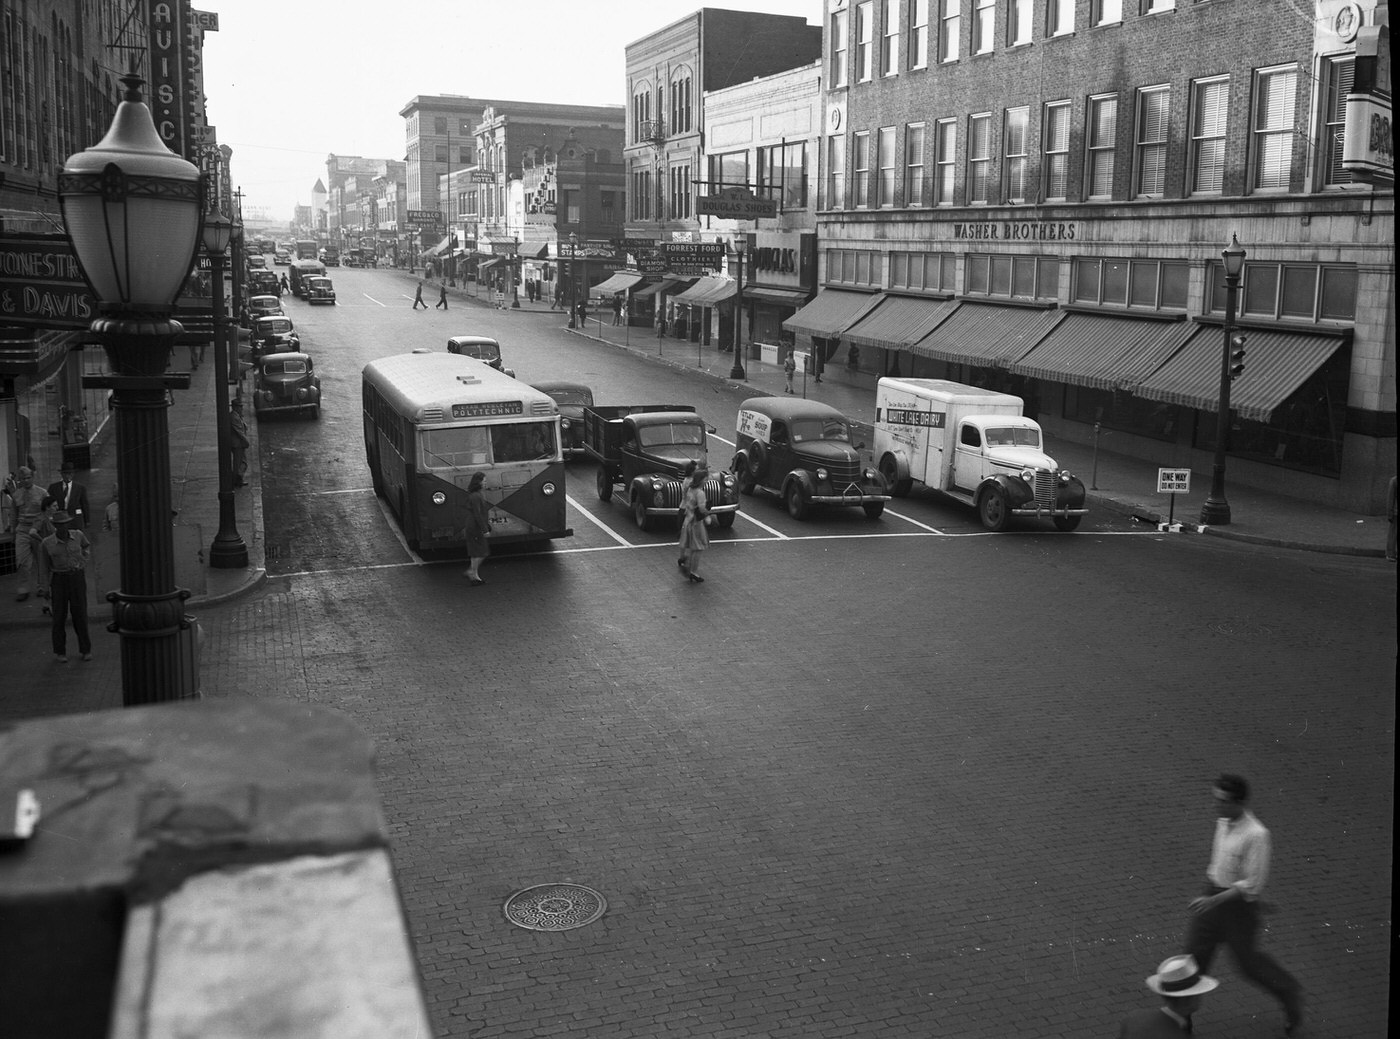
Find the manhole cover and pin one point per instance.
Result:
(555, 907)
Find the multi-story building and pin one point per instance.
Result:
(351, 207)
(1034, 195)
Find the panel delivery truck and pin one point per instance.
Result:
(974, 445)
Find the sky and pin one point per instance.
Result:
(288, 82)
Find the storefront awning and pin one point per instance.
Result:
(832, 312)
(490, 263)
(987, 335)
(1105, 351)
(707, 292)
(438, 249)
(899, 321)
(782, 297)
(655, 288)
(533, 250)
(619, 282)
(1276, 365)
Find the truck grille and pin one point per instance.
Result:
(844, 474)
(1045, 488)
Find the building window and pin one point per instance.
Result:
(440, 153)
(853, 267)
(1158, 6)
(1140, 284)
(865, 36)
(1275, 101)
(1153, 117)
(979, 158)
(641, 194)
(680, 193)
(1103, 132)
(1105, 12)
(1019, 27)
(885, 161)
(918, 34)
(1308, 292)
(680, 106)
(923, 272)
(889, 38)
(1061, 18)
(1013, 277)
(783, 169)
(1056, 142)
(641, 115)
(1016, 135)
(984, 16)
(729, 170)
(861, 158)
(949, 29)
(836, 172)
(945, 174)
(440, 124)
(1338, 75)
(608, 200)
(839, 68)
(1210, 103)
(914, 193)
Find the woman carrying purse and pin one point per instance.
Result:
(694, 537)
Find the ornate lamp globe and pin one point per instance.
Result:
(132, 210)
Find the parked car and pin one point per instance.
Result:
(264, 306)
(802, 451)
(282, 258)
(320, 290)
(572, 398)
(257, 262)
(273, 335)
(286, 382)
(483, 348)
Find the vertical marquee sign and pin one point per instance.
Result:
(169, 27)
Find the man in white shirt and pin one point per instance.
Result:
(1228, 910)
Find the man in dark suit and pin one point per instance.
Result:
(72, 496)
(1181, 985)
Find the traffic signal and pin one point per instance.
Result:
(1237, 355)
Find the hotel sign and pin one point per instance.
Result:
(41, 285)
(1016, 231)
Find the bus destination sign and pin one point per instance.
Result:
(487, 409)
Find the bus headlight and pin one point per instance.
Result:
(547, 489)
(439, 498)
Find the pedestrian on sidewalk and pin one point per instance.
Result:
(72, 496)
(695, 538)
(790, 367)
(67, 552)
(418, 297)
(25, 505)
(238, 430)
(441, 304)
(617, 309)
(478, 528)
(43, 527)
(111, 520)
(1228, 910)
(1181, 985)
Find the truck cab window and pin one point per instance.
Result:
(971, 437)
(778, 434)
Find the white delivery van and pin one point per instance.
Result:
(974, 445)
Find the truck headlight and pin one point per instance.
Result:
(656, 488)
(869, 474)
(547, 490)
(1066, 476)
(563, 423)
(823, 475)
(439, 498)
(1028, 475)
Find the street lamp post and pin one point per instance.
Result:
(737, 372)
(131, 209)
(1216, 509)
(573, 279)
(515, 276)
(228, 551)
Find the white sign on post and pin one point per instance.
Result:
(1173, 481)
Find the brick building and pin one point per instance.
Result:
(1033, 195)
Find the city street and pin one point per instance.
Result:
(899, 777)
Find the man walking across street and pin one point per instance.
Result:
(72, 496)
(1181, 985)
(1228, 910)
(66, 552)
(418, 296)
(26, 502)
(442, 298)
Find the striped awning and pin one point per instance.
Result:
(987, 335)
(899, 321)
(1105, 351)
(782, 297)
(707, 292)
(437, 250)
(619, 282)
(655, 288)
(832, 312)
(1276, 364)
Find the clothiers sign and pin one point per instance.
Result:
(41, 284)
(1015, 231)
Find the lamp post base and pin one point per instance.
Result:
(1215, 512)
(737, 372)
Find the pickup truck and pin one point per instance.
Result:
(646, 448)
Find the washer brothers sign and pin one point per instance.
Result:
(1017, 231)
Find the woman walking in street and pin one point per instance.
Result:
(694, 537)
(478, 527)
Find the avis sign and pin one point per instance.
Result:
(736, 204)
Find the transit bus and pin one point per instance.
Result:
(432, 420)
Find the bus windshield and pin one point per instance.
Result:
(461, 446)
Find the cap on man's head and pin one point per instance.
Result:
(237, 402)
(61, 517)
(25, 472)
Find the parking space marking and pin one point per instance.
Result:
(910, 519)
(759, 523)
(375, 301)
(598, 523)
